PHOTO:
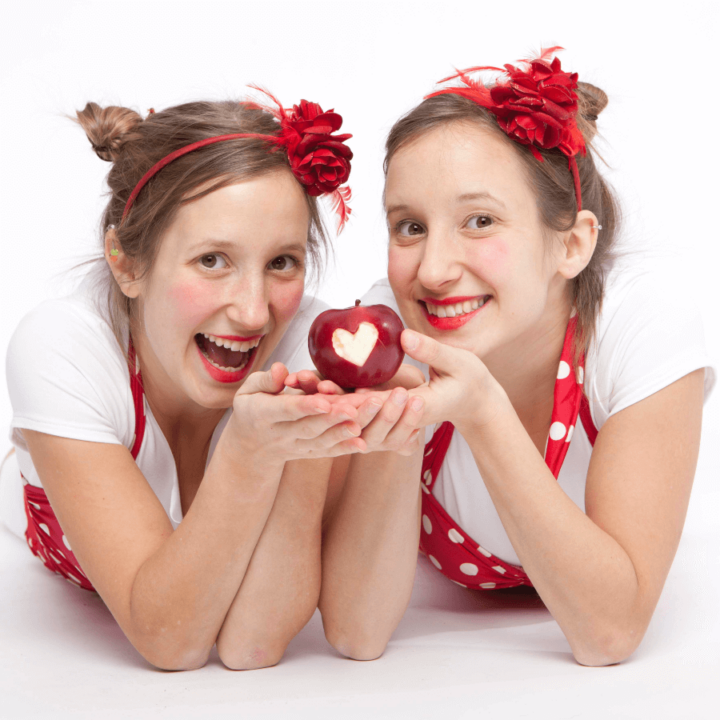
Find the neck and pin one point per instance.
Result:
(527, 370)
(179, 417)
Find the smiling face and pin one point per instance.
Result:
(227, 280)
(468, 261)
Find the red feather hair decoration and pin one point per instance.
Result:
(318, 159)
(535, 104)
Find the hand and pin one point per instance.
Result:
(281, 427)
(461, 389)
(396, 426)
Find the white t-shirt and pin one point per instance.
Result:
(67, 376)
(649, 334)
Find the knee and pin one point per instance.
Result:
(242, 656)
(356, 646)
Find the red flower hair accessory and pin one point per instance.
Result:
(534, 103)
(318, 159)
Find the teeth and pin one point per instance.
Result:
(221, 367)
(234, 345)
(455, 310)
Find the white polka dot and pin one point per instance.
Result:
(580, 375)
(573, 313)
(571, 430)
(500, 569)
(30, 542)
(469, 569)
(428, 451)
(35, 505)
(427, 476)
(557, 431)
(487, 586)
(66, 543)
(455, 536)
(563, 370)
(483, 551)
(460, 584)
(44, 528)
(425, 488)
(435, 562)
(427, 525)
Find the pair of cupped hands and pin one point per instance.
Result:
(287, 416)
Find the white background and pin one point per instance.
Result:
(372, 61)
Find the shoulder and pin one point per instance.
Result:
(66, 372)
(649, 334)
(292, 350)
(381, 294)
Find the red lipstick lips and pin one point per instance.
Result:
(451, 323)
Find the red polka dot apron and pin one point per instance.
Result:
(449, 548)
(44, 534)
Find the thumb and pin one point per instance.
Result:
(441, 358)
(272, 381)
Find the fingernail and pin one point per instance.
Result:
(320, 410)
(350, 432)
(343, 417)
(375, 405)
(410, 340)
(400, 398)
(417, 404)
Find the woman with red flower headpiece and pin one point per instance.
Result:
(159, 458)
(561, 386)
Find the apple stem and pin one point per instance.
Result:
(357, 303)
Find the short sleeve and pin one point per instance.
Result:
(292, 350)
(67, 376)
(649, 334)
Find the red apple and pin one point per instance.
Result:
(357, 347)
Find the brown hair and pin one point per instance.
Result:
(551, 180)
(121, 136)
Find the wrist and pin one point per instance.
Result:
(487, 405)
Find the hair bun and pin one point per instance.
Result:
(108, 129)
(591, 102)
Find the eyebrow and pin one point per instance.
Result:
(230, 245)
(465, 197)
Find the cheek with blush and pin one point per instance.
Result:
(490, 260)
(285, 301)
(190, 302)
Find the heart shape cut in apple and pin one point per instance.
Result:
(357, 346)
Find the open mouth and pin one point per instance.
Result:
(227, 359)
(454, 312)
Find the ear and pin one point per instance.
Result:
(121, 265)
(578, 245)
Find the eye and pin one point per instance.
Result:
(283, 263)
(213, 261)
(408, 228)
(479, 222)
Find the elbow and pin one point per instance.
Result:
(174, 659)
(607, 648)
(249, 655)
(358, 643)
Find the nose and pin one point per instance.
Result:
(441, 265)
(248, 305)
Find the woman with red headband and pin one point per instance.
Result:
(156, 468)
(564, 394)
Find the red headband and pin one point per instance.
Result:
(535, 104)
(318, 159)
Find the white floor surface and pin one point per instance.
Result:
(456, 654)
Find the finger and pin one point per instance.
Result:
(271, 381)
(412, 445)
(308, 381)
(291, 381)
(376, 432)
(368, 410)
(313, 426)
(408, 423)
(445, 360)
(330, 388)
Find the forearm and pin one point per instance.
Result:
(583, 575)
(370, 553)
(280, 590)
(181, 593)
